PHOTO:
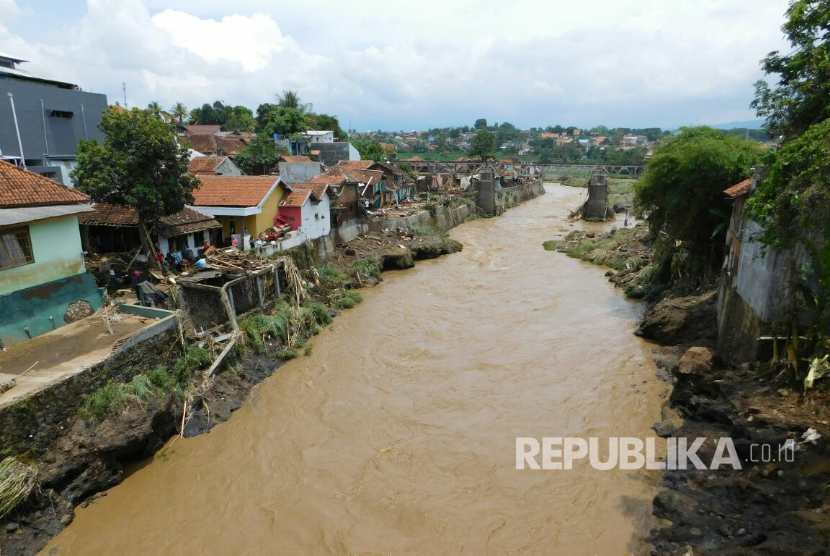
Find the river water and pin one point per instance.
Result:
(397, 434)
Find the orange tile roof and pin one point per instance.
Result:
(205, 164)
(21, 188)
(298, 197)
(203, 143)
(739, 189)
(328, 178)
(185, 221)
(232, 191)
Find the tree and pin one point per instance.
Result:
(273, 118)
(140, 164)
(369, 150)
(801, 96)
(325, 122)
(481, 123)
(239, 118)
(155, 108)
(290, 99)
(681, 192)
(483, 145)
(179, 111)
(260, 156)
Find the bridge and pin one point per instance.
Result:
(556, 168)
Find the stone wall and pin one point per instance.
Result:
(32, 424)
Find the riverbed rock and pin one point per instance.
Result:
(433, 247)
(397, 258)
(681, 320)
(697, 360)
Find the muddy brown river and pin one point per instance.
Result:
(397, 434)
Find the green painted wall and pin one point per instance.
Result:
(56, 246)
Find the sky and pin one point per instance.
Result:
(418, 64)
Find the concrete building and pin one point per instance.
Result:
(42, 271)
(319, 136)
(298, 169)
(596, 207)
(42, 121)
(245, 205)
(332, 153)
(307, 210)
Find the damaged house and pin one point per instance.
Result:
(43, 279)
(114, 228)
(213, 166)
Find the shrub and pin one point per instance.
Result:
(332, 278)
(367, 268)
(105, 400)
(346, 299)
(319, 312)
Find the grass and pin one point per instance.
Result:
(332, 278)
(160, 381)
(17, 480)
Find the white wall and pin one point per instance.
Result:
(316, 218)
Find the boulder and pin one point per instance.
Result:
(397, 258)
(697, 360)
(681, 320)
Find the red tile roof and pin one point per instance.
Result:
(205, 144)
(232, 191)
(21, 188)
(739, 189)
(231, 144)
(205, 164)
(355, 164)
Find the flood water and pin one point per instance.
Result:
(397, 434)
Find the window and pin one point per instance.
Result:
(15, 247)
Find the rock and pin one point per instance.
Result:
(11, 527)
(431, 248)
(397, 259)
(77, 310)
(350, 252)
(696, 361)
(670, 424)
(681, 320)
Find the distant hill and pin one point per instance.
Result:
(747, 124)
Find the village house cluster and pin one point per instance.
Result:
(60, 253)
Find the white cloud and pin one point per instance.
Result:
(386, 64)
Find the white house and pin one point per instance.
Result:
(319, 136)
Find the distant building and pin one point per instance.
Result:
(332, 153)
(42, 269)
(213, 166)
(319, 136)
(42, 120)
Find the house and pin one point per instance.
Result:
(319, 136)
(307, 209)
(42, 120)
(246, 206)
(208, 139)
(213, 166)
(109, 228)
(298, 169)
(43, 280)
(391, 179)
(332, 153)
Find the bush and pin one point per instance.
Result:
(319, 312)
(367, 268)
(105, 400)
(346, 299)
(332, 278)
(194, 358)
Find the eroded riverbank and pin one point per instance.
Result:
(397, 432)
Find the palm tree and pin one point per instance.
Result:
(179, 111)
(154, 107)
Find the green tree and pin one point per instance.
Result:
(239, 118)
(801, 96)
(290, 99)
(369, 150)
(325, 122)
(483, 145)
(140, 164)
(481, 123)
(260, 156)
(681, 193)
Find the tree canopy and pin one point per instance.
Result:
(483, 145)
(801, 96)
(370, 150)
(231, 118)
(681, 192)
(140, 164)
(260, 156)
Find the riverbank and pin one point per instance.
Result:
(771, 505)
(128, 425)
